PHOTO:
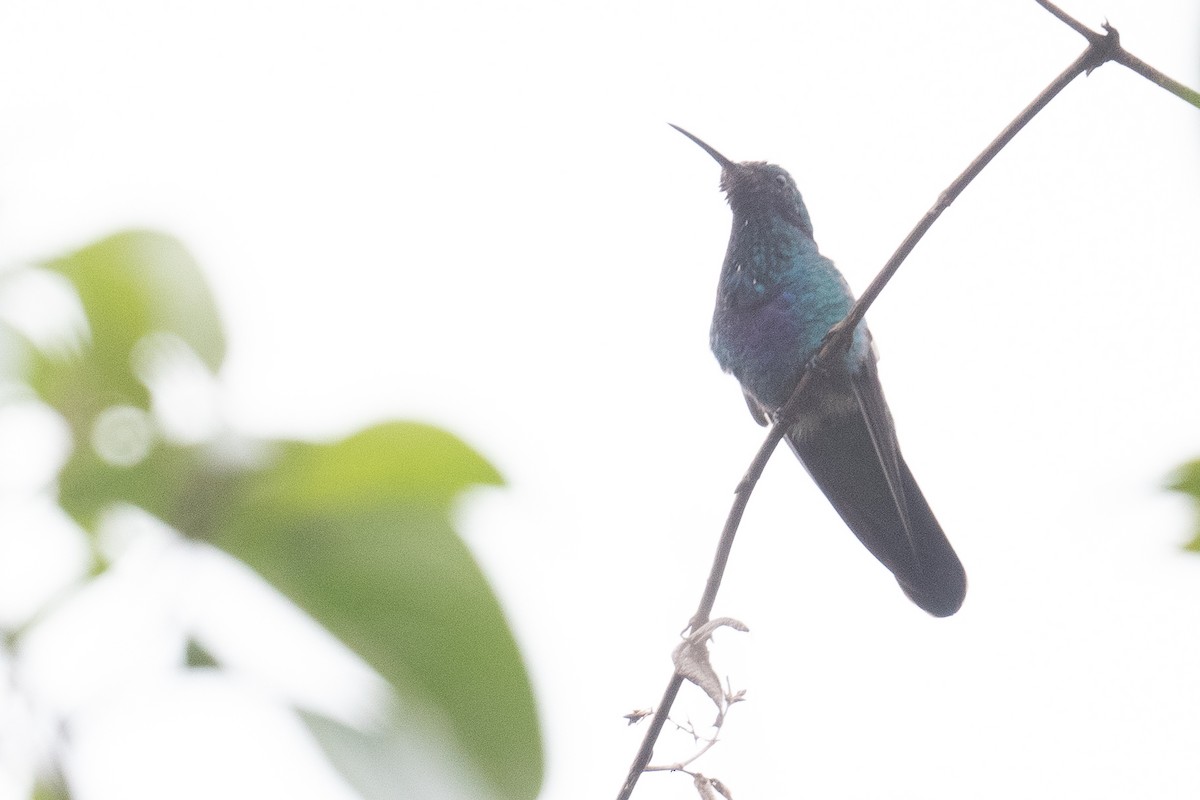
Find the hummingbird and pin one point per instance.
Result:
(777, 299)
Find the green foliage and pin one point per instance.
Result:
(50, 789)
(376, 761)
(357, 533)
(1187, 480)
(131, 284)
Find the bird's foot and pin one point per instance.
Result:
(836, 333)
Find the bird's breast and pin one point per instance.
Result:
(767, 345)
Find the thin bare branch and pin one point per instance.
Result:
(1122, 56)
(681, 766)
(1068, 20)
(1101, 48)
(1185, 93)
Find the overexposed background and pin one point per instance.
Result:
(475, 214)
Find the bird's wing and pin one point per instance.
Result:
(868, 391)
(760, 414)
(855, 460)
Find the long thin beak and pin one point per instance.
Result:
(720, 159)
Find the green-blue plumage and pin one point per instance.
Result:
(777, 298)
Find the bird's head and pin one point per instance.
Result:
(756, 188)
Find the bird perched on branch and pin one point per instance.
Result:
(777, 298)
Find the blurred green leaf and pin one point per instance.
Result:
(197, 656)
(395, 758)
(50, 786)
(398, 462)
(130, 284)
(1187, 481)
(186, 486)
(88, 485)
(358, 534)
(16, 354)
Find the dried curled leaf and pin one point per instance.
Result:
(638, 714)
(709, 788)
(692, 662)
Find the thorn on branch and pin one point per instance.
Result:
(1104, 48)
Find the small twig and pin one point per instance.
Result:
(690, 730)
(1127, 59)
(731, 698)
(681, 766)
(1100, 48)
(1067, 19)
(642, 757)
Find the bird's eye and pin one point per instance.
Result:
(781, 180)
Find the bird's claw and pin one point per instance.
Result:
(833, 334)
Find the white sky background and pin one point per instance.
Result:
(476, 215)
